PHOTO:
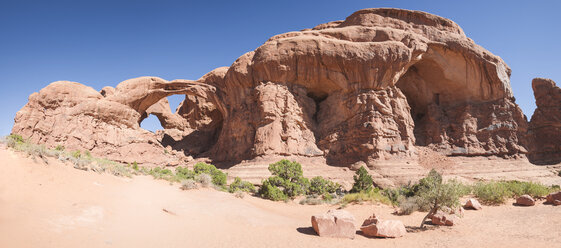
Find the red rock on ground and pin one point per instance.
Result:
(473, 204)
(444, 219)
(335, 224)
(525, 200)
(372, 227)
(551, 198)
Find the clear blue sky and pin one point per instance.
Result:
(101, 43)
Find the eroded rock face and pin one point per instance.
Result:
(366, 88)
(544, 131)
(107, 122)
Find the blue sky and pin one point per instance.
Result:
(101, 43)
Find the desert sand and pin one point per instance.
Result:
(55, 205)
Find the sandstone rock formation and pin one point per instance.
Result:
(335, 224)
(367, 88)
(525, 200)
(544, 130)
(373, 227)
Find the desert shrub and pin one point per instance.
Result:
(189, 184)
(395, 195)
(218, 177)
(204, 179)
(271, 192)
(159, 173)
(497, 192)
(242, 186)
(120, 170)
(16, 138)
(76, 154)
(87, 154)
(372, 195)
(183, 173)
(59, 148)
(433, 193)
(362, 181)
(239, 194)
(135, 166)
(287, 178)
(312, 200)
(321, 186)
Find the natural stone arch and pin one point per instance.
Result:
(142, 93)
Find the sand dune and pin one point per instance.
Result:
(56, 205)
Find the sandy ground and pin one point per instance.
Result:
(56, 205)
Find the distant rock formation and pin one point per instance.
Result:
(545, 126)
(370, 87)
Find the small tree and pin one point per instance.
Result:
(435, 194)
(287, 180)
(363, 181)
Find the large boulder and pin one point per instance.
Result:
(373, 227)
(335, 224)
(544, 131)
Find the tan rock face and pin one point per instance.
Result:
(544, 131)
(335, 224)
(370, 87)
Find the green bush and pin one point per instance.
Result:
(287, 178)
(59, 148)
(372, 195)
(497, 192)
(321, 186)
(271, 192)
(218, 177)
(183, 173)
(363, 181)
(243, 186)
(76, 154)
(189, 184)
(16, 138)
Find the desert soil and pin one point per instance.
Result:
(55, 205)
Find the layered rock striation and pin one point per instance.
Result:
(370, 87)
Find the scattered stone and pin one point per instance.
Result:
(525, 200)
(473, 204)
(443, 219)
(373, 227)
(557, 202)
(551, 198)
(335, 224)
